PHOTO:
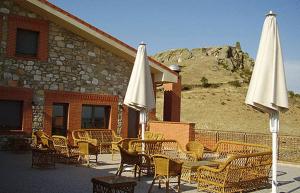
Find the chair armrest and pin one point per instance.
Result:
(117, 138)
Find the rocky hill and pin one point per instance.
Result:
(216, 64)
(215, 82)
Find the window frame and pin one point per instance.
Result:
(41, 26)
(107, 112)
(19, 128)
(65, 118)
(37, 34)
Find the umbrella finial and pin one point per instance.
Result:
(271, 13)
(142, 43)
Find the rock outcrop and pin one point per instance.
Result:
(227, 60)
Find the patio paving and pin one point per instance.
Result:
(16, 176)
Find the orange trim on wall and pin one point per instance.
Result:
(41, 26)
(75, 101)
(20, 94)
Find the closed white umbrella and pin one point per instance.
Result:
(267, 89)
(139, 94)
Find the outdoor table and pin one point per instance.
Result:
(43, 158)
(113, 184)
(189, 169)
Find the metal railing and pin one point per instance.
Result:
(289, 146)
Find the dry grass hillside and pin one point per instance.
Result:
(218, 103)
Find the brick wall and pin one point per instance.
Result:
(172, 101)
(182, 132)
(19, 94)
(75, 101)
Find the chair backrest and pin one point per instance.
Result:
(129, 157)
(167, 147)
(124, 143)
(164, 166)
(248, 167)
(196, 147)
(43, 139)
(60, 144)
(232, 147)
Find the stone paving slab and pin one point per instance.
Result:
(17, 176)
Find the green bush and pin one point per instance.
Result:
(291, 94)
(235, 83)
(204, 82)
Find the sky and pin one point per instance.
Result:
(167, 24)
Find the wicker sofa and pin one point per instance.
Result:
(243, 167)
(103, 138)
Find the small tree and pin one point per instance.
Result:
(204, 82)
(238, 46)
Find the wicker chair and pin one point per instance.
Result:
(124, 143)
(43, 140)
(166, 168)
(64, 151)
(130, 159)
(86, 149)
(196, 147)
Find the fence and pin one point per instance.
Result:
(289, 146)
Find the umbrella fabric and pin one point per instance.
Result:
(267, 89)
(139, 94)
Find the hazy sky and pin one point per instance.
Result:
(166, 24)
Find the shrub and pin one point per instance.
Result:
(204, 82)
(291, 94)
(235, 83)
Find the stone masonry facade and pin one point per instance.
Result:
(72, 64)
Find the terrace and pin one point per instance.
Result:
(18, 176)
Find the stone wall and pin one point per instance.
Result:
(74, 64)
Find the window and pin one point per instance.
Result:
(27, 43)
(93, 116)
(27, 38)
(59, 119)
(11, 115)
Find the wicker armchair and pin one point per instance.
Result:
(65, 152)
(43, 140)
(130, 159)
(196, 147)
(86, 149)
(166, 168)
(124, 143)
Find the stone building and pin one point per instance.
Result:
(59, 73)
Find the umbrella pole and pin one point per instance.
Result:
(143, 121)
(274, 127)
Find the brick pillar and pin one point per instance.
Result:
(172, 101)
